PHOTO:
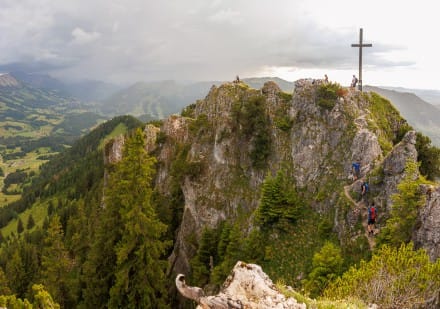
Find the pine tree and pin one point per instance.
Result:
(20, 227)
(4, 288)
(327, 266)
(140, 266)
(56, 264)
(30, 223)
(16, 273)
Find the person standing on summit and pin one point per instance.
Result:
(354, 81)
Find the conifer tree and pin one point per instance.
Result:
(4, 287)
(20, 227)
(56, 264)
(16, 273)
(30, 222)
(140, 266)
(327, 266)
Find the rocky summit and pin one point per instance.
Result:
(7, 80)
(218, 155)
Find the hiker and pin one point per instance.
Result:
(325, 78)
(364, 190)
(356, 169)
(354, 81)
(429, 192)
(372, 214)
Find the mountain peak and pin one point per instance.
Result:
(7, 80)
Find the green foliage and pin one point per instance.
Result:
(200, 126)
(252, 120)
(206, 253)
(326, 266)
(233, 253)
(394, 278)
(283, 122)
(428, 156)
(386, 121)
(279, 200)
(181, 166)
(406, 204)
(57, 265)
(140, 264)
(327, 94)
(320, 303)
(42, 299)
(20, 227)
(286, 97)
(4, 288)
(30, 223)
(189, 111)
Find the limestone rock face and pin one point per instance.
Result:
(113, 150)
(246, 287)
(394, 165)
(428, 234)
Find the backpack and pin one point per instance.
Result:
(356, 80)
(373, 213)
(356, 166)
(365, 185)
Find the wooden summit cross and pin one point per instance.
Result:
(360, 45)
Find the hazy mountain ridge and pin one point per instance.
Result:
(423, 116)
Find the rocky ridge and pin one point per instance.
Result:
(318, 147)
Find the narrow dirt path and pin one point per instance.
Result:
(361, 208)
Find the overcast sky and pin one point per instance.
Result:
(125, 41)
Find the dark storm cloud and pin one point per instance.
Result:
(133, 40)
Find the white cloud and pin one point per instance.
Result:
(131, 40)
(226, 16)
(82, 37)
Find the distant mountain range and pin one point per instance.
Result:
(86, 90)
(158, 99)
(28, 114)
(423, 116)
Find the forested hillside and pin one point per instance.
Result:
(257, 175)
(35, 125)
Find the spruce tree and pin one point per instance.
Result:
(20, 227)
(30, 222)
(56, 264)
(4, 287)
(140, 265)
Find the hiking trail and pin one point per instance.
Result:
(361, 208)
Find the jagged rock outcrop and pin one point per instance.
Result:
(318, 148)
(394, 167)
(427, 235)
(246, 287)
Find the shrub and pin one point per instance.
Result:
(394, 278)
(428, 156)
(327, 265)
(327, 94)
